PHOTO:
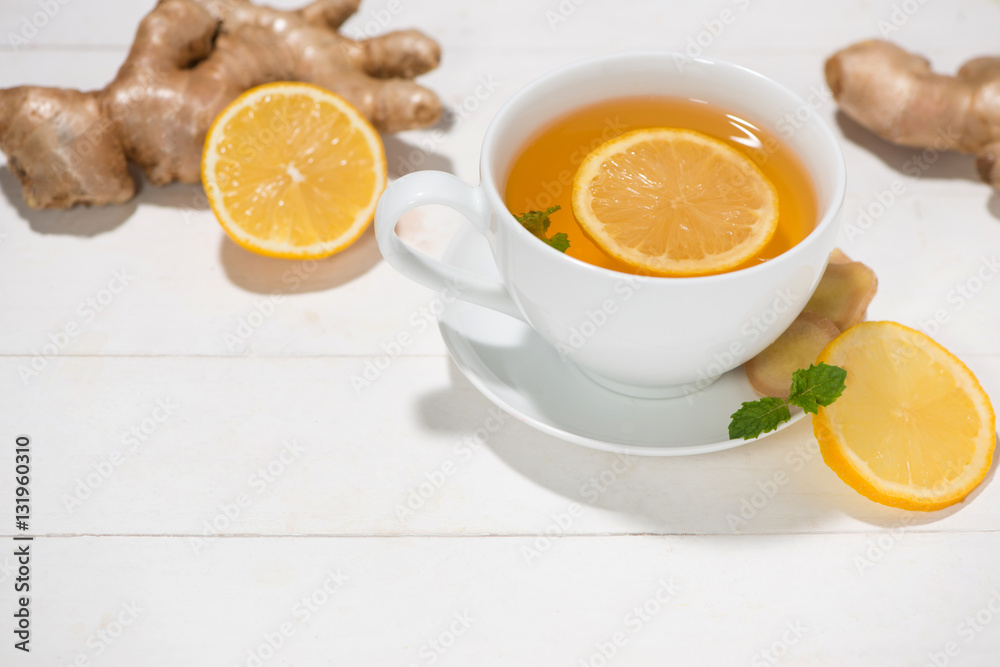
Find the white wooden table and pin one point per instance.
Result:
(209, 489)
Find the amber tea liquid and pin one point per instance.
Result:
(542, 174)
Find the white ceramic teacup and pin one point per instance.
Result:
(642, 336)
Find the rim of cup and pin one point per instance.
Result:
(489, 180)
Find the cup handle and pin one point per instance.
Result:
(438, 187)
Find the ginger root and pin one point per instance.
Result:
(840, 301)
(844, 292)
(770, 372)
(895, 94)
(190, 59)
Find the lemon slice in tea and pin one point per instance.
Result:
(674, 202)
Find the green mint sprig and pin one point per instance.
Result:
(820, 384)
(537, 222)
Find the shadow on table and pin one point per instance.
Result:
(79, 221)
(251, 272)
(269, 275)
(908, 160)
(401, 157)
(777, 485)
(864, 510)
(187, 198)
(994, 205)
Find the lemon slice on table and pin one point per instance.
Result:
(293, 170)
(674, 202)
(914, 428)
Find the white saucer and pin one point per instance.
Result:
(522, 374)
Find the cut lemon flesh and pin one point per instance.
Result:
(293, 170)
(914, 428)
(674, 202)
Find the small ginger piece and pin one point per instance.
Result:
(896, 95)
(838, 256)
(770, 372)
(844, 291)
(840, 301)
(190, 59)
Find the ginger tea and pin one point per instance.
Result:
(542, 174)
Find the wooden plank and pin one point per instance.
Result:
(457, 601)
(960, 26)
(152, 445)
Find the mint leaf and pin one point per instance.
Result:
(820, 384)
(559, 241)
(537, 222)
(756, 417)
